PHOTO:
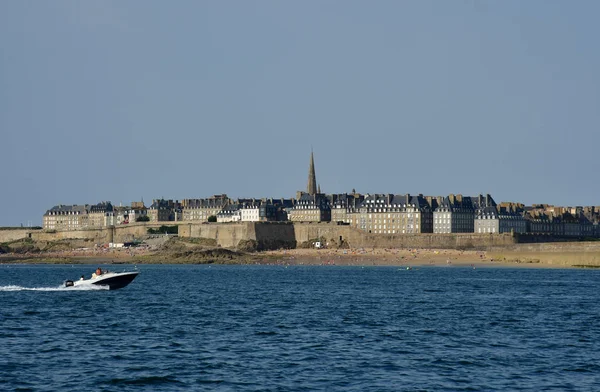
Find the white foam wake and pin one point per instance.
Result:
(59, 288)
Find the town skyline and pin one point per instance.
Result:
(371, 213)
(114, 101)
(311, 195)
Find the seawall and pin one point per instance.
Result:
(291, 235)
(15, 234)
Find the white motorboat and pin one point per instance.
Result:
(112, 280)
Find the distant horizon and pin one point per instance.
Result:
(148, 203)
(114, 100)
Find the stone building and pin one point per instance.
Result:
(562, 221)
(539, 222)
(395, 214)
(129, 214)
(345, 206)
(283, 209)
(230, 213)
(162, 210)
(312, 205)
(491, 218)
(310, 208)
(259, 210)
(74, 217)
(454, 214)
(202, 209)
(66, 217)
(311, 187)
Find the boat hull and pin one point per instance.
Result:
(116, 282)
(110, 280)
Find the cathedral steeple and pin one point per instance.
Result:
(311, 189)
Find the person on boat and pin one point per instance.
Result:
(99, 271)
(81, 277)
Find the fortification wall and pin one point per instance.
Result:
(227, 235)
(434, 241)
(358, 239)
(566, 247)
(289, 235)
(122, 233)
(130, 232)
(13, 235)
(95, 235)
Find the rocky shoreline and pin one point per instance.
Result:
(186, 251)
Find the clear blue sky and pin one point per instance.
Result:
(119, 100)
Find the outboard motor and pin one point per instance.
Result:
(69, 283)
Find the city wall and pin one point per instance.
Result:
(123, 233)
(227, 235)
(290, 235)
(13, 235)
(354, 238)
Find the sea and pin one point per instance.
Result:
(301, 328)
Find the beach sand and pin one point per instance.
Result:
(342, 257)
(399, 257)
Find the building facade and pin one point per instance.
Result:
(162, 210)
(311, 208)
(230, 213)
(491, 218)
(395, 214)
(345, 206)
(202, 209)
(75, 217)
(454, 214)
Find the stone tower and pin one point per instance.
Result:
(311, 189)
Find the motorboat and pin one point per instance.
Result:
(112, 280)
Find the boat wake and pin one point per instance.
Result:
(59, 288)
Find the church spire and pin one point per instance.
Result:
(311, 189)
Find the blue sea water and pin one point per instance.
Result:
(301, 328)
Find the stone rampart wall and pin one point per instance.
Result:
(96, 235)
(284, 235)
(290, 235)
(121, 233)
(13, 235)
(355, 238)
(566, 247)
(227, 235)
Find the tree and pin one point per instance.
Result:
(143, 218)
(212, 218)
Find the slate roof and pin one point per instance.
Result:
(62, 209)
(66, 209)
(105, 206)
(211, 202)
(229, 210)
(395, 202)
(456, 203)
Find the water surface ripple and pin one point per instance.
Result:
(275, 328)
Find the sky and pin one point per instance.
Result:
(129, 100)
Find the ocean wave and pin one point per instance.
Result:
(58, 288)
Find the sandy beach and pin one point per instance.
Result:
(396, 257)
(341, 257)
